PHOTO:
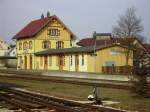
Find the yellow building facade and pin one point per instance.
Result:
(51, 33)
(46, 44)
(81, 59)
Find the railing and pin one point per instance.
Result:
(127, 70)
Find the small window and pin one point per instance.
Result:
(82, 59)
(30, 44)
(54, 32)
(59, 44)
(109, 63)
(20, 45)
(46, 44)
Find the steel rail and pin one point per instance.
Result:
(65, 102)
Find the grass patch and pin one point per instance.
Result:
(76, 92)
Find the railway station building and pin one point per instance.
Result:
(47, 44)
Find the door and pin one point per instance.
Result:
(76, 62)
(61, 62)
(30, 62)
(45, 62)
(25, 62)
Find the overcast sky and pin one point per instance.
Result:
(81, 16)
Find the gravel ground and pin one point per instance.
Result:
(5, 110)
(2, 109)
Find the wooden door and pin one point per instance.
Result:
(25, 62)
(30, 62)
(61, 62)
(76, 62)
(45, 62)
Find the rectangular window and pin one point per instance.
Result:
(50, 60)
(59, 44)
(82, 59)
(30, 44)
(54, 32)
(109, 63)
(71, 60)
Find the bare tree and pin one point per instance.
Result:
(129, 25)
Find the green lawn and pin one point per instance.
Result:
(127, 100)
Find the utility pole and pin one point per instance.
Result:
(94, 36)
(95, 91)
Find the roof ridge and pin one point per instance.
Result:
(33, 27)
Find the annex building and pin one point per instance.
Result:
(47, 44)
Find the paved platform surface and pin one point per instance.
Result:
(86, 75)
(82, 75)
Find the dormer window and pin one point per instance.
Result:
(45, 44)
(54, 32)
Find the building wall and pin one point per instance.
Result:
(12, 52)
(53, 62)
(91, 63)
(4, 48)
(11, 63)
(37, 41)
(108, 55)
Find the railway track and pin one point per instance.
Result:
(33, 102)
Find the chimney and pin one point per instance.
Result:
(42, 16)
(48, 14)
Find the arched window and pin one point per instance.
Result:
(59, 44)
(25, 45)
(46, 44)
(20, 45)
(30, 44)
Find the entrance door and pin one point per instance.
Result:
(76, 62)
(45, 62)
(25, 62)
(30, 62)
(61, 62)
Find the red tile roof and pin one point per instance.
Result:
(35, 26)
(91, 41)
(32, 28)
